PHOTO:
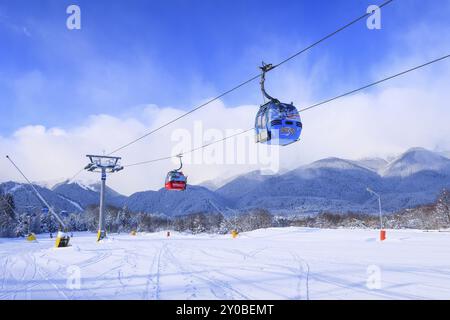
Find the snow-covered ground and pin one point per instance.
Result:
(288, 263)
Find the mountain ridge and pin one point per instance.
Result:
(332, 184)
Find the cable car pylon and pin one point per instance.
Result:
(103, 164)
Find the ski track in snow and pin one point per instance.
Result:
(152, 285)
(44, 275)
(220, 289)
(290, 263)
(5, 269)
(252, 269)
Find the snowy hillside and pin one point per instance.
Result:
(332, 163)
(241, 185)
(416, 160)
(71, 197)
(87, 195)
(286, 263)
(374, 164)
(25, 199)
(332, 184)
(329, 184)
(194, 199)
(339, 185)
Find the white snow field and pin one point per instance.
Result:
(285, 263)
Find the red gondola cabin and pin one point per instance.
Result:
(176, 181)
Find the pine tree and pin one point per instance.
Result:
(8, 219)
(443, 206)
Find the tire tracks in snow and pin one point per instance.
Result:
(22, 284)
(303, 265)
(4, 272)
(154, 277)
(220, 289)
(99, 257)
(28, 284)
(46, 275)
(302, 272)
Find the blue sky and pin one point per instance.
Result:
(136, 64)
(176, 53)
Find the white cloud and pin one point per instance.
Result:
(14, 27)
(406, 112)
(53, 153)
(380, 123)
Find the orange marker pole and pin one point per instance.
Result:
(382, 235)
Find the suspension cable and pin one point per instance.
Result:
(304, 109)
(243, 83)
(187, 152)
(252, 78)
(374, 83)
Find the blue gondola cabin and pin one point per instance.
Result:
(277, 123)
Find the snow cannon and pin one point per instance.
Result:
(101, 234)
(133, 232)
(62, 240)
(31, 237)
(234, 234)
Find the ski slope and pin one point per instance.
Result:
(285, 263)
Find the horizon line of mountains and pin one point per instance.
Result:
(335, 185)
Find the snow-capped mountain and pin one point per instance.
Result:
(337, 185)
(26, 200)
(416, 160)
(216, 184)
(445, 154)
(241, 185)
(330, 184)
(332, 163)
(374, 164)
(49, 184)
(87, 195)
(194, 199)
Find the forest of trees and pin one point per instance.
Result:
(120, 220)
(427, 217)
